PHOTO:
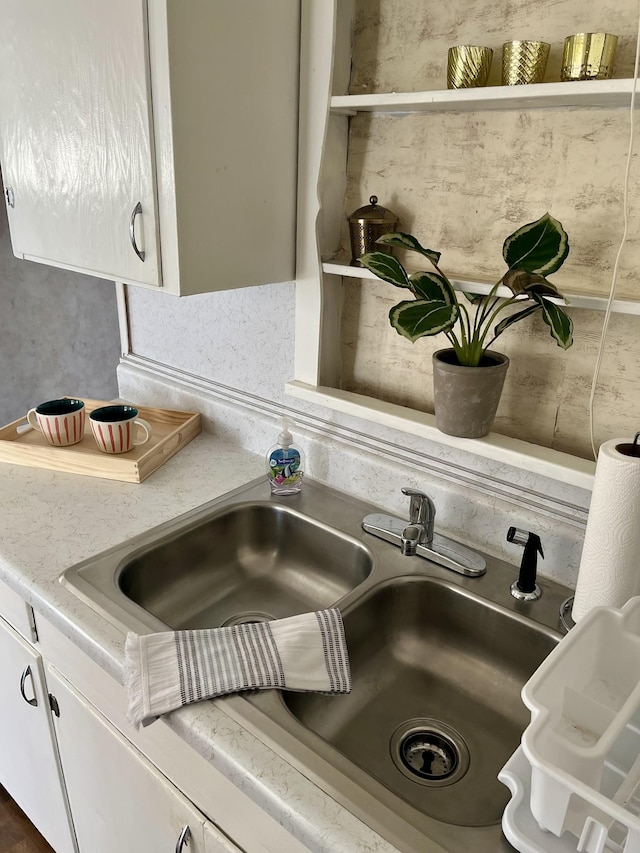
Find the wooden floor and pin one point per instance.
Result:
(17, 833)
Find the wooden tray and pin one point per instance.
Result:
(171, 431)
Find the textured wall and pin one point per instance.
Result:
(58, 333)
(401, 45)
(462, 182)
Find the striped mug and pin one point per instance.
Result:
(114, 428)
(60, 421)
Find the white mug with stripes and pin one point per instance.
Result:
(117, 428)
(60, 421)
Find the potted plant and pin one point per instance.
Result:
(468, 376)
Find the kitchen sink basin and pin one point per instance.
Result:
(438, 659)
(222, 565)
(435, 709)
(250, 562)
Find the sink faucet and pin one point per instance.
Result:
(419, 531)
(417, 538)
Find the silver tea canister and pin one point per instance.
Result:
(366, 224)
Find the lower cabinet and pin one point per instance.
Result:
(29, 763)
(118, 799)
(74, 765)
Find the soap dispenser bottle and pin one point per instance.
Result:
(285, 464)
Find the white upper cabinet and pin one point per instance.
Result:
(76, 135)
(152, 141)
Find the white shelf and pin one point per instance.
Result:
(575, 300)
(500, 448)
(582, 93)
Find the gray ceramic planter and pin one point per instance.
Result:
(466, 398)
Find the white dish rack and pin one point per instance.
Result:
(518, 824)
(583, 742)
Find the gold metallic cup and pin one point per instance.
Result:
(524, 62)
(468, 66)
(588, 56)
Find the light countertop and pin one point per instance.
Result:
(51, 521)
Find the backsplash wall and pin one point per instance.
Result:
(240, 339)
(461, 182)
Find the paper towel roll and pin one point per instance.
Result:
(610, 564)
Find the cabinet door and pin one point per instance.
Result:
(119, 800)
(29, 766)
(76, 143)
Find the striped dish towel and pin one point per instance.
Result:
(168, 670)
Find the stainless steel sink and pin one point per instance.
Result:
(438, 659)
(253, 561)
(435, 710)
(242, 558)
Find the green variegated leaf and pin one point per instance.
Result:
(519, 282)
(430, 285)
(408, 241)
(421, 318)
(559, 322)
(546, 289)
(385, 267)
(538, 247)
(473, 298)
(514, 318)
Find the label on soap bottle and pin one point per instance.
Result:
(284, 467)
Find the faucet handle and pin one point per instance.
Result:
(412, 492)
(422, 510)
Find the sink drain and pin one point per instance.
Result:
(246, 617)
(429, 752)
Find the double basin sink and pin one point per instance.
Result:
(437, 659)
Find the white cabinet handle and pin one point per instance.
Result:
(183, 839)
(132, 230)
(27, 672)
